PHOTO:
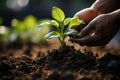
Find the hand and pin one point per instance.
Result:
(99, 31)
(86, 15)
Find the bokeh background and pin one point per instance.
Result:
(19, 9)
(41, 9)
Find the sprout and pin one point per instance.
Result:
(60, 23)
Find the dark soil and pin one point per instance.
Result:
(60, 64)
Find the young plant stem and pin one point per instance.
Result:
(62, 37)
(61, 42)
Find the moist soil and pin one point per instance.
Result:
(59, 64)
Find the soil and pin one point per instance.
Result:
(58, 64)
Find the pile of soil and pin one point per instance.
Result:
(61, 64)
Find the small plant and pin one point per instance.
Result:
(62, 25)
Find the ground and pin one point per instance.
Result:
(49, 62)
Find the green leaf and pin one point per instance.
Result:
(66, 21)
(52, 34)
(58, 14)
(70, 31)
(74, 22)
(40, 26)
(54, 23)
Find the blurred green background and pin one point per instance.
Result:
(19, 9)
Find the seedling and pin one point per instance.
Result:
(62, 25)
